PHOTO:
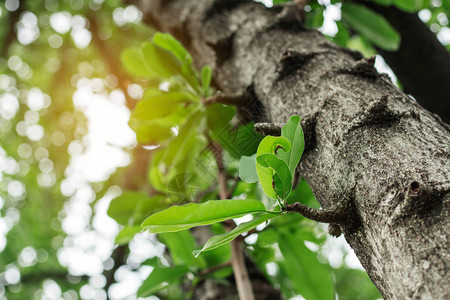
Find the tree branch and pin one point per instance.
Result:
(221, 171)
(241, 277)
(228, 99)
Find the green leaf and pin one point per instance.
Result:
(343, 35)
(219, 117)
(270, 144)
(219, 240)
(160, 61)
(155, 174)
(383, 2)
(131, 207)
(182, 169)
(361, 44)
(281, 179)
(180, 244)
(294, 133)
(126, 234)
(175, 166)
(243, 140)
(168, 42)
(314, 18)
(182, 146)
(303, 193)
(158, 97)
(153, 118)
(161, 278)
(178, 218)
(206, 79)
(352, 283)
(371, 25)
(247, 169)
(309, 277)
(133, 63)
(407, 5)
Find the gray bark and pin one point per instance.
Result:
(367, 144)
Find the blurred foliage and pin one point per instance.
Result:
(46, 48)
(361, 29)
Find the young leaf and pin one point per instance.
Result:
(294, 133)
(247, 169)
(133, 63)
(219, 240)
(178, 218)
(153, 118)
(171, 44)
(160, 61)
(206, 79)
(161, 278)
(270, 144)
(371, 25)
(281, 180)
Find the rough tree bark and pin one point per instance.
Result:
(367, 144)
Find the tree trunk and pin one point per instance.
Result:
(367, 143)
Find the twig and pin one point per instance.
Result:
(222, 175)
(229, 99)
(214, 269)
(269, 128)
(233, 187)
(118, 257)
(241, 277)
